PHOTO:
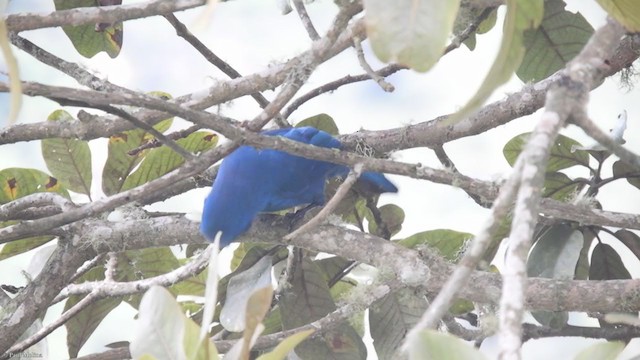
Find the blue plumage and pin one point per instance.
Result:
(251, 181)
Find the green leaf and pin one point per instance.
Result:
(521, 15)
(17, 247)
(309, 299)
(142, 264)
(18, 182)
(558, 39)
(91, 39)
(504, 228)
(555, 256)
(239, 290)
(273, 322)
(582, 267)
(162, 160)
(194, 285)
(119, 163)
(487, 24)
(621, 169)
(195, 350)
(82, 325)
(286, 345)
(461, 306)
(563, 153)
(254, 254)
(352, 208)
(559, 186)
(608, 350)
(409, 32)
(391, 317)
(332, 266)
(391, 217)
(322, 122)
(449, 243)
(164, 332)
(626, 12)
(468, 14)
(629, 239)
(256, 308)
(254, 250)
(145, 263)
(68, 159)
(606, 264)
(436, 345)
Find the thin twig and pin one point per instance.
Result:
(285, 280)
(214, 59)
(367, 68)
(81, 75)
(446, 161)
(303, 71)
(180, 134)
(86, 267)
(333, 85)
(112, 288)
(306, 20)
(590, 128)
(110, 267)
(385, 71)
(143, 125)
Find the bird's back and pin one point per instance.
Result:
(255, 180)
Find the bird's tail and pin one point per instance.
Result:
(379, 182)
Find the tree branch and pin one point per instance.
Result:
(409, 266)
(590, 128)
(36, 297)
(19, 206)
(94, 15)
(306, 20)
(384, 72)
(114, 288)
(569, 96)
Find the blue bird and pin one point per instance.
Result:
(251, 181)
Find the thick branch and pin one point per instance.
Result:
(541, 294)
(32, 301)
